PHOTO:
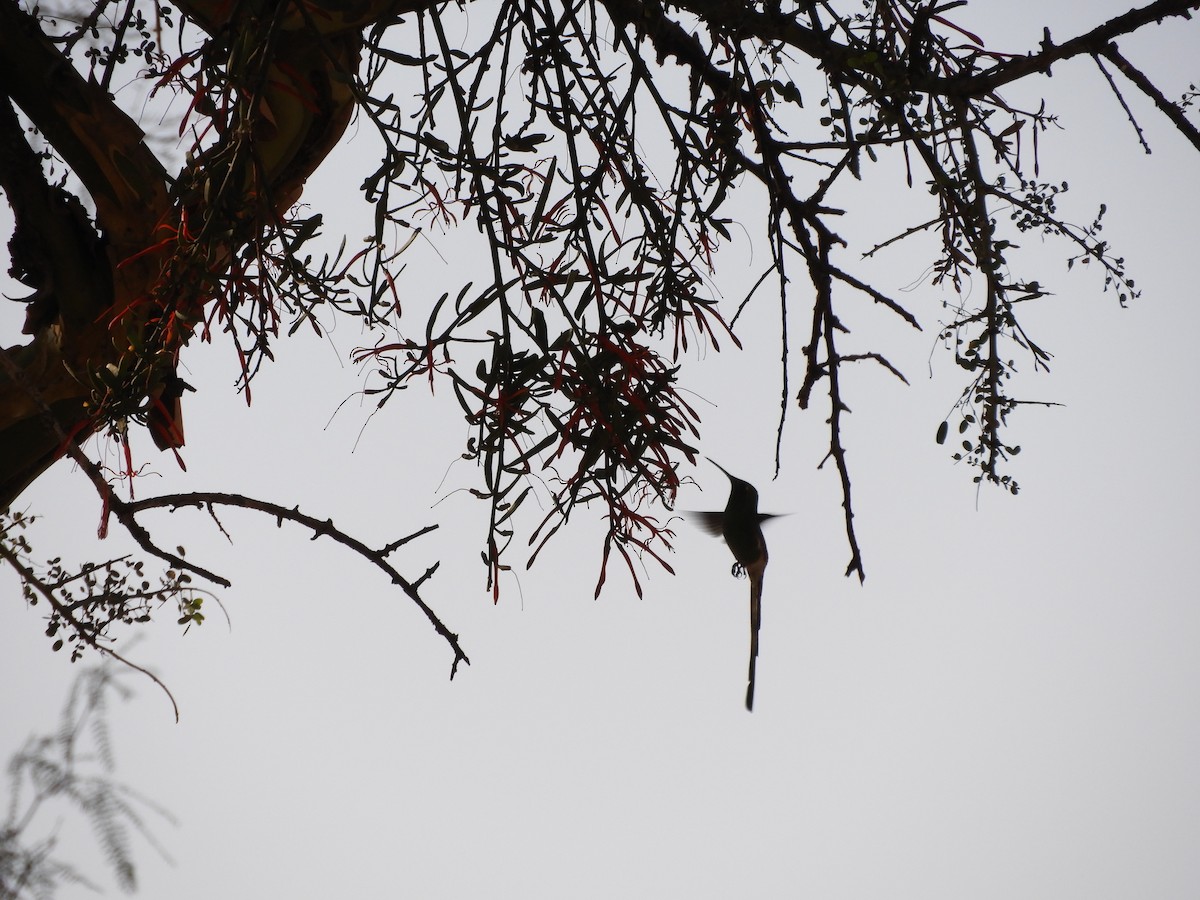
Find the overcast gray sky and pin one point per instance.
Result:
(1007, 708)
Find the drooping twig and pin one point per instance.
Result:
(30, 577)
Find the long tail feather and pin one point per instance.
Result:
(756, 582)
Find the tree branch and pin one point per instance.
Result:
(87, 635)
(319, 528)
(1147, 87)
(1094, 41)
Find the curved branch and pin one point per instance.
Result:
(319, 528)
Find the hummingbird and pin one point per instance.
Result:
(741, 527)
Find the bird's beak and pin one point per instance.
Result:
(719, 466)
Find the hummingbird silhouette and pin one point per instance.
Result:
(741, 527)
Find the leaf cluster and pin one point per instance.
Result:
(84, 604)
(72, 770)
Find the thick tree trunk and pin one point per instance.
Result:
(113, 301)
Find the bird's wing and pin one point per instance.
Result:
(710, 522)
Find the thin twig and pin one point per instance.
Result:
(31, 578)
(1169, 109)
(1125, 106)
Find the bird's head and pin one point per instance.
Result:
(742, 493)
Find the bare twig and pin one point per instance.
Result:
(319, 528)
(1125, 106)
